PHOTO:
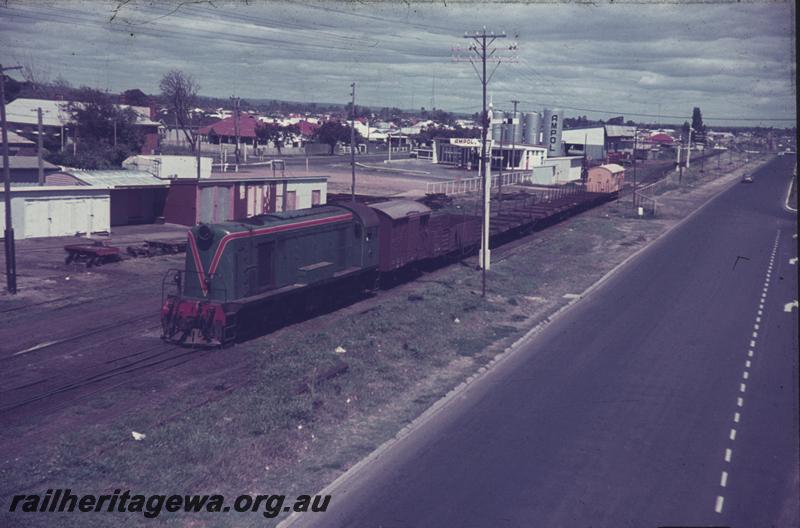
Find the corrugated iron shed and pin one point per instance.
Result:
(117, 179)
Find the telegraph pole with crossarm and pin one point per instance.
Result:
(482, 49)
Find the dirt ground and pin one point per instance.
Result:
(257, 418)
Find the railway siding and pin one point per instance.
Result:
(234, 421)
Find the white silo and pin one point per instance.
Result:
(516, 129)
(553, 125)
(497, 126)
(531, 128)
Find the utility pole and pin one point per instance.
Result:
(8, 234)
(235, 125)
(197, 153)
(689, 148)
(500, 165)
(513, 159)
(353, 140)
(483, 51)
(635, 133)
(39, 148)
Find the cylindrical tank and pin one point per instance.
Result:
(497, 126)
(516, 129)
(532, 125)
(552, 126)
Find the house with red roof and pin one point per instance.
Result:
(225, 130)
(307, 129)
(662, 139)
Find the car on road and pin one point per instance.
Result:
(747, 179)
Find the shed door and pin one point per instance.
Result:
(207, 200)
(222, 209)
(255, 200)
(37, 219)
(291, 201)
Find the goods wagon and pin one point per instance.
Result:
(403, 233)
(241, 272)
(452, 235)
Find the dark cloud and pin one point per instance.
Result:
(733, 60)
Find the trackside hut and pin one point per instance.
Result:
(605, 178)
(224, 198)
(137, 197)
(51, 211)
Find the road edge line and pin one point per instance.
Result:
(792, 183)
(482, 372)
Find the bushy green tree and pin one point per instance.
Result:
(104, 133)
(333, 132)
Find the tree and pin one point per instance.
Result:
(275, 134)
(12, 88)
(685, 131)
(105, 133)
(428, 134)
(333, 132)
(698, 128)
(179, 90)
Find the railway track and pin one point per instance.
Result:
(162, 355)
(76, 337)
(83, 299)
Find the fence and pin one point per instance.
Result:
(466, 185)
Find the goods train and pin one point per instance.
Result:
(242, 274)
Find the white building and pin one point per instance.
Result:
(51, 211)
(170, 167)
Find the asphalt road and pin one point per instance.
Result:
(620, 413)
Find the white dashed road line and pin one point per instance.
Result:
(723, 482)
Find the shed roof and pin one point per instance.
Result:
(613, 168)
(579, 136)
(26, 162)
(620, 131)
(117, 178)
(16, 139)
(395, 209)
(56, 113)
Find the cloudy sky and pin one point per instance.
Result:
(735, 60)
